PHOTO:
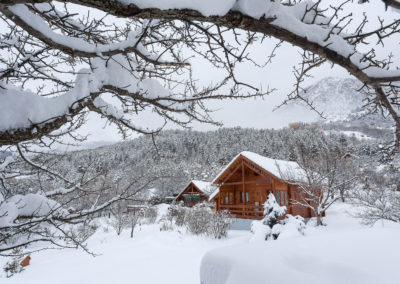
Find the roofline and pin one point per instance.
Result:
(247, 159)
(183, 190)
(215, 196)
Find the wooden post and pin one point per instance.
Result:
(219, 197)
(244, 194)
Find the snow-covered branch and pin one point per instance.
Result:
(159, 30)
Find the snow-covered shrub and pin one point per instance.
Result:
(291, 226)
(119, 224)
(177, 213)
(197, 219)
(150, 215)
(118, 221)
(218, 224)
(271, 227)
(259, 230)
(201, 219)
(14, 265)
(272, 212)
(165, 224)
(378, 195)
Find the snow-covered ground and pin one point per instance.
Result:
(150, 256)
(342, 252)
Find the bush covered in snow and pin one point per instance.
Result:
(201, 219)
(14, 266)
(272, 211)
(177, 213)
(292, 225)
(150, 215)
(271, 228)
(219, 223)
(197, 219)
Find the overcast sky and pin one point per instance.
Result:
(258, 113)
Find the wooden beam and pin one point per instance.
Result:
(254, 167)
(230, 174)
(249, 182)
(244, 195)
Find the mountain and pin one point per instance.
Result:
(336, 98)
(340, 102)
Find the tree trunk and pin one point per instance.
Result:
(319, 220)
(342, 195)
(132, 228)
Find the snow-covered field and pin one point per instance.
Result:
(342, 252)
(150, 256)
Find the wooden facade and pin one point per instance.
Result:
(192, 194)
(244, 186)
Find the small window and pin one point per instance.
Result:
(190, 199)
(278, 197)
(227, 199)
(241, 197)
(284, 199)
(247, 197)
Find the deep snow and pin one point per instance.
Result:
(150, 256)
(344, 251)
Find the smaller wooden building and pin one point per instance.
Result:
(196, 191)
(243, 186)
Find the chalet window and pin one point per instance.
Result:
(226, 199)
(241, 197)
(284, 198)
(190, 199)
(247, 196)
(278, 197)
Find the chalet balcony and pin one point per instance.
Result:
(244, 210)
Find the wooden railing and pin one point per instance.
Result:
(244, 210)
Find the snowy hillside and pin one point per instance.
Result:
(336, 98)
(187, 155)
(340, 103)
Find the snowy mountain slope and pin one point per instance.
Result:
(341, 103)
(336, 98)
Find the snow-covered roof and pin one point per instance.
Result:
(204, 186)
(282, 169)
(279, 168)
(212, 195)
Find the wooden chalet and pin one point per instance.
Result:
(243, 186)
(196, 191)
